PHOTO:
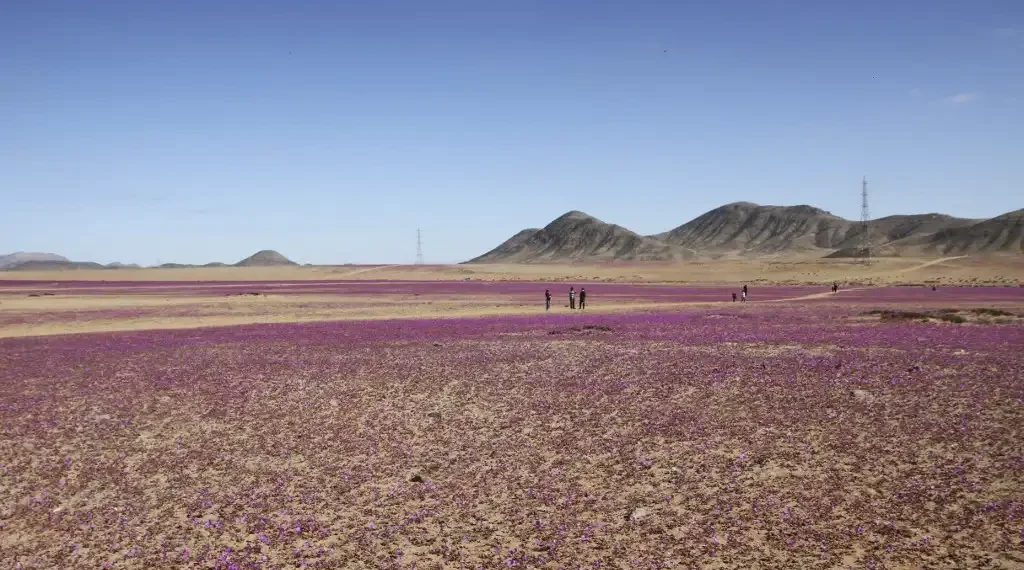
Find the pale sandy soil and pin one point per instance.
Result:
(289, 313)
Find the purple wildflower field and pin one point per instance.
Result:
(791, 434)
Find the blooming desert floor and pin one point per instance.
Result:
(459, 425)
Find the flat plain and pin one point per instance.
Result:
(397, 417)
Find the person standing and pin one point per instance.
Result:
(547, 299)
(734, 297)
(583, 298)
(572, 297)
(743, 297)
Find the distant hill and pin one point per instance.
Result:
(745, 229)
(119, 265)
(576, 236)
(12, 259)
(265, 258)
(43, 265)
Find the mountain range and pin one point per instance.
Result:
(745, 230)
(25, 261)
(737, 230)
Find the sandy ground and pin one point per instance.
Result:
(87, 307)
(991, 269)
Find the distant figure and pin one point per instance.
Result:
(743, 298)
(744, 291)
(547, 299)
(933, 287)
(835, 287)
(583, 298)
(734, 297)
(572, 297)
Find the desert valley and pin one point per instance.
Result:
(267, 414)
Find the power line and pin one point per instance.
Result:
(865, 223)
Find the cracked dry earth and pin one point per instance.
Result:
(771, 437)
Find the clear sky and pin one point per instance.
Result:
(195, 131)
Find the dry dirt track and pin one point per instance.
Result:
(368, 269)
(930, 263)
(821, 295)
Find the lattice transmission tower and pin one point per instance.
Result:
(865, 223)
(419, 247)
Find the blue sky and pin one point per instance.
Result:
(196, 131)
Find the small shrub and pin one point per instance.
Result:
(604, 328)
(992, 312)
(904, 316)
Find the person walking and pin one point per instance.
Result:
(835, 287)
(743, 298)
(583, 298)
(547, 299)
(734, 297)
(572, 297)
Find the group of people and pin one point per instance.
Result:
(572, 298)
(583, 296)
(743, 295)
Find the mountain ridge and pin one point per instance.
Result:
(575, 236)
(746, 229)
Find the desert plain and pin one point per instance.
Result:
(438, 417)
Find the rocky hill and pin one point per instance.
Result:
(265, 258)
(576, 236)
(744, 229)
(1003, 234)
(750, 229)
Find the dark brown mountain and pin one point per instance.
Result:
(744, 229)
(751, 229)
(265, 258)
(1004, 234)
(576, 236)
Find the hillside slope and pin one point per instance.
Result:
(751, 229)
(265, 258)
(576, 236)
(1001, 234)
